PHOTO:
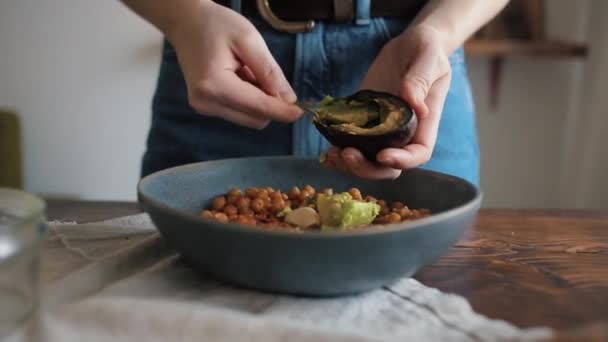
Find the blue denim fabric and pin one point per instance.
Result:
(332, 59)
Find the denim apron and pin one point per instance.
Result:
(331, 59)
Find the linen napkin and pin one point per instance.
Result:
(117, 280)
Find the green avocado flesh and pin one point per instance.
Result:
(341, 211)
(339, 111)
(371, 117)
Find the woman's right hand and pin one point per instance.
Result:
(229, 71)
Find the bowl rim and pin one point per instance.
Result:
(145, 200)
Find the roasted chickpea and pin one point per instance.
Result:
(276, 195)
(356, 193)
(257, 205)
(242, 204)
(304, 194)
(221, 217)
(231, 199)
(267, 203)
(404, 212)
(294, 203)
(398, 205)
(242, 219)
(206, 214)
(278, 204)
(415, 213)
(252, 192)
(381, 219)
(382, 203)
(384, 210)
(425, 212)
(328, 191)
(393, 218)
(284, 196)
(263, 193)
(261, 217)
(370, 199)
(294, 193)
(230, 210)
(273, 221)
(247, 212)
(235, 192)
(219, 202)
(309, 189)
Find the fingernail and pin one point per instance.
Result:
(322, 157)
(288, 96)
(385, 160)
(350, 158)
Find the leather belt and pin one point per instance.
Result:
(299, 15)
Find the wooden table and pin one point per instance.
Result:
(528, 267)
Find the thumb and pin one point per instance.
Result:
(254, 53)
(418, 80)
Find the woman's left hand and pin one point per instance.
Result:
(414, 66)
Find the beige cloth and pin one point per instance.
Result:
(116, 280)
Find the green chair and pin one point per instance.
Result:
(11, 159)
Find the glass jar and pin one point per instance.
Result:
(22, 231)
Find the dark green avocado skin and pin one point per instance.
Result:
(367, 144)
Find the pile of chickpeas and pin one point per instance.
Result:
(264, 206)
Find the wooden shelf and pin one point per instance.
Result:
(506, 47)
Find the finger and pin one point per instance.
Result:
(333, 156)
(254, 53)
(234, 116)
(419, 78)
(229, 90)
(329, 164)
(359, 166)
(246, 74)
(419, 151)
(409, 157)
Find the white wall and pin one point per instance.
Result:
(81, 74)
(589, 166)
(528, 139)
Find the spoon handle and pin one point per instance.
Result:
(306, 107)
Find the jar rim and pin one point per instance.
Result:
(27, 205)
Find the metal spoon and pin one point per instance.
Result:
(306, 107)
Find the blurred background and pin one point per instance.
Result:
(77, 77)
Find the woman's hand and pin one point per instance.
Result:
(229, 71)
(414, 66)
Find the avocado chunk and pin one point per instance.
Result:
(341, 211)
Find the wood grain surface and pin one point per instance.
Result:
(530, 267)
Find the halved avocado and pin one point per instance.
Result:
(367, 120)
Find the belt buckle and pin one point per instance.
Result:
(279, 24)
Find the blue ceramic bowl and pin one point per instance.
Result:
(312, 263)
